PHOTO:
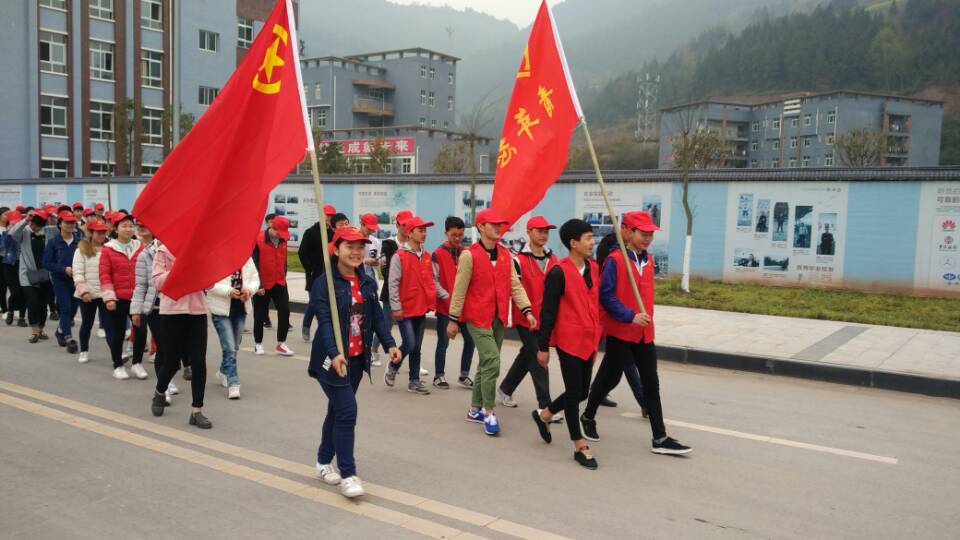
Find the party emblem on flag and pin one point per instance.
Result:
(271, 60)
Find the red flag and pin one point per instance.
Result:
(207, 200)
(544, 111)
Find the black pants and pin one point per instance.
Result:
(38, 296)
(3, 292)
(576, 382)
(281, 300)
(117, 324)
(183, 335)
(140, 337)
(526, 362)
(638, 361)
(11, 277)
(88, 313)
(155, 324)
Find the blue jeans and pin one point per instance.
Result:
(67, 305)
(308, 316)
(411, 334)
(443, 341)
(230, 331)
(340, 425)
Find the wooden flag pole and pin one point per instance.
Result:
(613, 217)
(334, 311)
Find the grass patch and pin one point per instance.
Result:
(830, 305)
(293, 261)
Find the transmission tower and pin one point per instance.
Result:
(647, 106)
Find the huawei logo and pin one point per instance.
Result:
(949, 225)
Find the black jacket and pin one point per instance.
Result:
(311, 252)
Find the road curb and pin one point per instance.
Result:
(854, 376)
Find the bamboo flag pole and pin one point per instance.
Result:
(334, 311)
(613, 217)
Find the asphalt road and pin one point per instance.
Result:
(82, 457)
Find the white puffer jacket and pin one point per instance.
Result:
(86, 274)
(218, 297)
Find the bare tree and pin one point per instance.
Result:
(472, 124)
(453, 158)
(380, 155)
(861, 147)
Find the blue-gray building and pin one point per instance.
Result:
(801, 131)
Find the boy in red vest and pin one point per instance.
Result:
(630, 333)
(270, 256)
(486, 282)
(445, 260)
(533, 263)
(413, 294)
(570, 319)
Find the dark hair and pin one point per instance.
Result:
(4, 209)
(39, 221)
(573, 230)
(338, 217)
(453, 222)
(269, 217)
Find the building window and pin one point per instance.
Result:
(208, 94)
(450, 78)
(101, 121)
(793, 163)
(753, 164)
(423, 72)
(53, 52)
(209, 41)
(754, 146)
(423, 97)
(446, 125)
(433, 100)
(794, 122)
(449, 103)
(433, 124)
(101, 60)
(102, 168)
(101, 9)
(808, 120)
(793, 142)
(433, 73)
(151, 68)
(149, 169)
(244, 32)
(153, 127)
(55, 4)
(53, 168)
(317, 89)
(832, 117)
(776, 144)
(807, 142)
(53, 116)
(321, 118)
(151, 14)
(828, 160)
(830, 139)
(806, 162)
(776, 123)
(775, 163)
(406, 165)
(755, 127)
(423, 122)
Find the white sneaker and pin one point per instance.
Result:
(375, 361)
(283, 350)
(121, 374)
(126, 334)
(127, 351)
(423, 372)
(101, 334)
(172, 388)
(351, 487)
(139, 372)
(328, 474)
(233, 392)
(506, 399)
(222, 378)
(168, 396)
(84, 357)
(257, 348)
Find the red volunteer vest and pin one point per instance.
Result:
(578, 330)
(534, 282)
(633, 333)
(418, 294)
(273, 262)
(489, 290)
(447, 262)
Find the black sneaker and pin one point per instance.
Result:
(607, 402)
(72, 346)
(670, 447)
(54, 316)
(585, 459)
(542, 426)
(61, 341)
(188, 373)
(266, 324)
(199, 420)
(34, 338)
(22, 323)
(43, 336)
(441, 383)
(158, 404)
(643, 412)
(589, 428)
(465, 382)
(9, 318)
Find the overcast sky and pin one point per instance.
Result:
(520, 12)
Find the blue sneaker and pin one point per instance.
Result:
(475, 416)
(491, 426)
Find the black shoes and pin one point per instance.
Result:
(158, 404)
(670, 447)
(187, 373)
(589, 428)
(266, 324)
(607, 402)
(43, 336)
(585, 459)
(199, 420)
(34, 338)
(542, 426)
(22, 323)
(72, 346)
(54, 316)
(9, 318)
(61, 341)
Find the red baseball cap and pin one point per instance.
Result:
(21, 208)
(50, 209)
(370, 221)
(416, 222)
(117, 217)
(329, 210)
(88, 212)
(489, 216)
(98, 206)
(67, 216)
(282, 226)
(349, 234)
(97, 225)
(403, 216)
(109, 215)
(78, 206)
(539, 222)
(42, 214)
(640, 220)
(13, 216)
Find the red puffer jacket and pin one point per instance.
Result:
(118, 274)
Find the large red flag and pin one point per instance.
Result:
(544, 111)
(208, 198)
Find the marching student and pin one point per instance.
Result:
(86, 279)
(34, 279)
(10, 267)
(145, 303)
(78, 212)
(57, 259)
(371, 262)
(340, 372)
(184, 330)
(118, 272)
(486, 282)
(413, 294)
(570, 321)
(4, 223)
(630, 334)
(229, 302)
(388, 249)
(445, 259)
(270, 257)
(310, 253)
(98, 210)
(533, 264)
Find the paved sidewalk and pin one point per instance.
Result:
(923, 361)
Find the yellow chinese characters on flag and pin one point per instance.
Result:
(544, 111)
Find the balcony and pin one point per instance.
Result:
(372, 107)
(374, 83)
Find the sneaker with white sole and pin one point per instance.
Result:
(257, 349)
(328, 474)
(223, 379)
(465, 382)
(376, 361)
(389, 376)
(506, 399)
(305, 334)
(101, 333)
(172, 388)
(417, 387)
(127, 351)
(441, 383)
(233, 392)
(121, 374)
(475, 416)
(670, 446)
(168, 396)
(83, 358)
(139, 372)
(351, 487)
(283, 350)
(424, 372)
(491, 426)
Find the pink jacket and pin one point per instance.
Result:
(194, 303)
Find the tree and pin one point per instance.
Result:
(127, 137)
(453, 158)
(332, 160)
(472, 124)
(950, 143)
(694, 149)
(861, 147)
(379, 155)
(888, 57)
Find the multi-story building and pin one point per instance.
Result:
(801, 131)
(407, 97)
(96, 87)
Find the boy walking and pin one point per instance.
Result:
(445, 259)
